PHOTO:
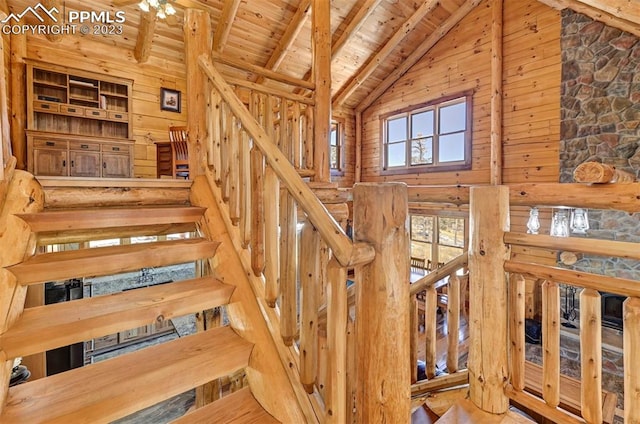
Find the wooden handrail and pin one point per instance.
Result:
(345, 251)
(620, 249)
(622, 286)
(623, 197)
(437, 275)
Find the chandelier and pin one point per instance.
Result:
(164, 8)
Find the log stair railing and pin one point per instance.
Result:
(114, 388)
(294, 247)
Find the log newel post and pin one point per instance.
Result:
(488, 366)
(382, 307)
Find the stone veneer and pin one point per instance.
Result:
(601, 121)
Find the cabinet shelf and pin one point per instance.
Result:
(72, 104)
(49, 84)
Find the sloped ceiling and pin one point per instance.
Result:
(374, 41)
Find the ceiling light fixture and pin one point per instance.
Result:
(163, 7)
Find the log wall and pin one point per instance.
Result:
(149, 122)
(462, 61)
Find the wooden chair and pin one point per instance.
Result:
(179, 137)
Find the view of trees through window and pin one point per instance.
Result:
(432, 135)
(447, 232)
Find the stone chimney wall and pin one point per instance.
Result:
(600, 121)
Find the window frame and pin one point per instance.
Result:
(340, 130)
(435, 235)
(434, 105)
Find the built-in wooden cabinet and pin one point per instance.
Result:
(67, 155)
(79, 124)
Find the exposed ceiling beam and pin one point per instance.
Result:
(353, 26)
(224, 25)
(290, 34)
(363, 12)
(417, 54)
(625, 9)
(407, 27)
(146, 30)
(627, 19)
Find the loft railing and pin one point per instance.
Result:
(493, 382)
(253, 159)
(425, 294)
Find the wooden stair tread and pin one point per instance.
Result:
(47, 327)
(110, 260)
(76, 219)
(112, 389)
(237, 408)
(464, 411)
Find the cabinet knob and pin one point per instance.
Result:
(71, 109)
(73, 164)
(50, 143)
(104, 165)
(84, 146)
(64, 163)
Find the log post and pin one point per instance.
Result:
(337, 312)
(382, 310)
(591, 355)
(631, 346)
(321, 46)
(488, 367)
(496, 91)
(18, 99)
(197, 41)
(430, 330)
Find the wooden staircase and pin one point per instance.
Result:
(114, 388)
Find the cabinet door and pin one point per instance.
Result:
(116, 165)
(52, 162)
(84, 164)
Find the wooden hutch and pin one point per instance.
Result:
(79, 123)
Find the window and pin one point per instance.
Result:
(448, 234)
(434, 136)
(336, 154)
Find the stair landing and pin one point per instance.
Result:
(464, 411)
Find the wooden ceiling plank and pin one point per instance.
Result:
(353, 26)
(372, 64)
(224, 24)
(620, 20)
(624, 9)
(417, 54)
(146, 30)
(289, 37)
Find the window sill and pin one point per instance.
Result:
(426, 169)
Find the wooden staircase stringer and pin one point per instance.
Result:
(277, 388)
(23, 195)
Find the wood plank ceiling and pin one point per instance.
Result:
(374, 41)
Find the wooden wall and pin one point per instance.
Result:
(462, 61)
(149, 122)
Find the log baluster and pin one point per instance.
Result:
(215, 136)
(336, 390)
(296, 136)
(631, 346)
(225, 150)
(288, 268)
(257, 194)
(234, 171)
(430, 327)
(413, 344)
(516, 329)
(245, 189)
(551, 343)
(271, 236)
(591, 355)
(308, 138)
(453, 322)
(310, 287)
